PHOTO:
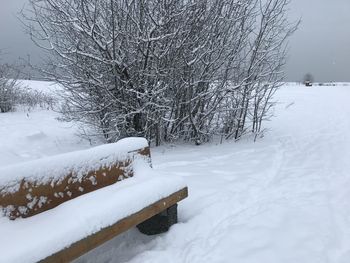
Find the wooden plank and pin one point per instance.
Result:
(85, 245)
(43, 197)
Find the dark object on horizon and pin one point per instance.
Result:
(308, 80)
(308, 83)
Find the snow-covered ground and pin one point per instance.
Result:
(285, 198)
(27, 135)
(35, 133)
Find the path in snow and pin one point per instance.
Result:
(285, 198)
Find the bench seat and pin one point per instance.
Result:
(78, 225)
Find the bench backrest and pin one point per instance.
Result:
(25, 196)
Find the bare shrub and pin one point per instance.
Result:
(12, 94)
(165, 70)
(8, 88)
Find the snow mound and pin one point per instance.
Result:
(36, 136)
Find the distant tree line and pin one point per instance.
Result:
(164, 69)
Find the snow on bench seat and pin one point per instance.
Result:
(30, 188)
(35, 238)
(55, 167)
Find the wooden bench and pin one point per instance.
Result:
(53, 212)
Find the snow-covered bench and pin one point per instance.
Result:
(58, 208)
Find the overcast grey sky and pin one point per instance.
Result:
(321, 46)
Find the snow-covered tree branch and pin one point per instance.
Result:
(164, 69)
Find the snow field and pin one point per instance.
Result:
(28, 135)
(282, 199)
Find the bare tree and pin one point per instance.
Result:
(166, 70)
(264, 72)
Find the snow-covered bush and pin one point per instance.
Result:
(34, 98)
(13, 94)
(8, 89)
(7, 94)
(165, 70)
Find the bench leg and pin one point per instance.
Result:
(159, 223)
